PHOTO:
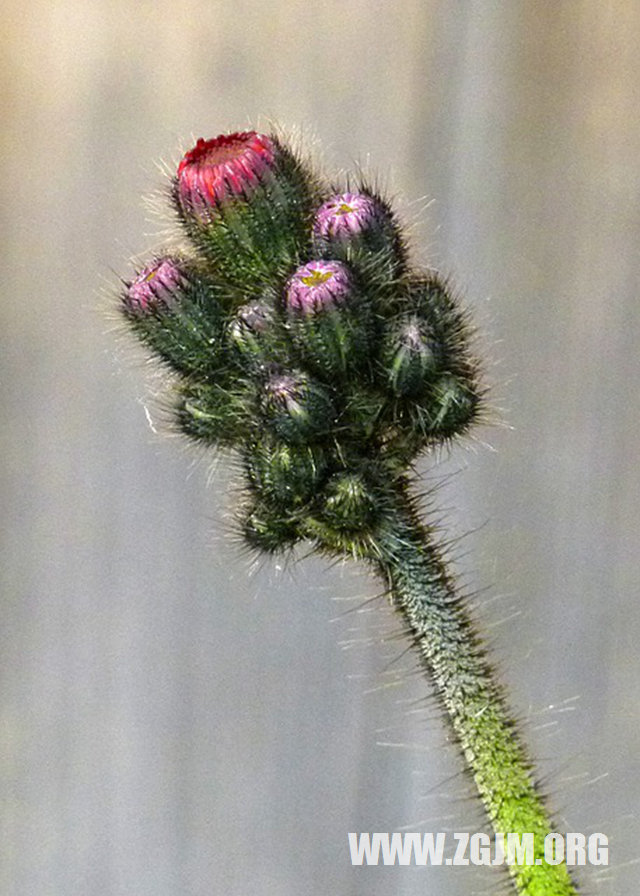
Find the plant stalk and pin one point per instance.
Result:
(402, 551)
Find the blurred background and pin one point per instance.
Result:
(176, 719)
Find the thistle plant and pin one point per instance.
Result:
(302, 336)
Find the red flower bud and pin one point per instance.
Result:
(218, 170)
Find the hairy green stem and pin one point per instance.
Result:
(401, 550)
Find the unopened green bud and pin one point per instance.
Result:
(349, 502)
(267, 529)
(284, 474)
(409, 356)
(253, 333)
(454, 406)
(297, 408)
(216, 413)
(431, 301)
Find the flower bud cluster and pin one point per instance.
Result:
(303, 338)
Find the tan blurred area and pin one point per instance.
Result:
(175, 719)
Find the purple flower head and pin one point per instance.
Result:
(158, 285)
(347, 215)
(318, 286)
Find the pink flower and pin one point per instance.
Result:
(229, 166)
(158, 285)
(317, 286)
(346, 215)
